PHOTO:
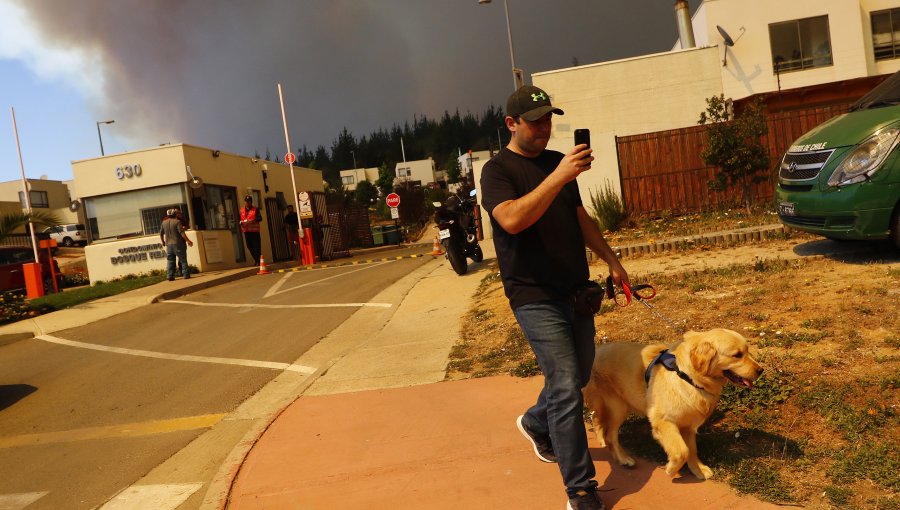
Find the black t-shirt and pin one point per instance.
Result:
(547, 260)
(290, 219)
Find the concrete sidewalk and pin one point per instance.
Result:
(449, 445)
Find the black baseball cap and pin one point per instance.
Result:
(530, 103)
(248, 198)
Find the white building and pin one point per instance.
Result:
(815, 42)
(468, 160)
(422, 171)
(46, 195)
(350, 178)
(126, 195)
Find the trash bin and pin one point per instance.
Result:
(377, 235)
(391, 234)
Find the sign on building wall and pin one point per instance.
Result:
(213, 250)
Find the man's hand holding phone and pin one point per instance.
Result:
(583, 154)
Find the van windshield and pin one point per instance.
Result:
(885, 94)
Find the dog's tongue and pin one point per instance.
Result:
(740, 381)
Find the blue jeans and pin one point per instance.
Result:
(180, 251)
(563, 342)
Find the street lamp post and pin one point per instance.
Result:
(352, 153)
(517, 73)
(98, 133)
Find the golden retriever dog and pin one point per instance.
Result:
(676, 402)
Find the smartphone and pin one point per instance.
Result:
(583, 136)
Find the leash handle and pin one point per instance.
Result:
(640, 292)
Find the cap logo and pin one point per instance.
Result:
(538, 97)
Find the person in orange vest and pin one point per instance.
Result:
(250, 219)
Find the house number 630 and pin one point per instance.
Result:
(128, 171)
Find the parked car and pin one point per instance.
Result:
(12, 276)
(68, 235)
(841, 180)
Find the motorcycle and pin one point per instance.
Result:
(458, 233)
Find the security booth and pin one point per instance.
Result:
(125, 198)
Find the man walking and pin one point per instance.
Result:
(540, 232)
(172, 235)
(250, 219)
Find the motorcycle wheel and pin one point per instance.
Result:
(477, 254)
(457, 256)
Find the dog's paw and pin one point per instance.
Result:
(625, 460)
(672, 468)
(702, 471)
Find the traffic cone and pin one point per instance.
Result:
(262, 265)
(436, 248)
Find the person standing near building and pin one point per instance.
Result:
(292, 226)
(172, 235)
(540, 232)
(184, 227)
(250, 219)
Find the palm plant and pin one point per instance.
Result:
(13, 221)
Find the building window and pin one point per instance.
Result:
(348, 180)
(886, 34)
(404, 172)
(800, 44)
(39, 200)
(221, 209)
(132, 213)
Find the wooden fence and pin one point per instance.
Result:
(663, 171)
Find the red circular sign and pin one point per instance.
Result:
(289, 158)
(393, 200)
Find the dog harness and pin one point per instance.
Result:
(668, 361)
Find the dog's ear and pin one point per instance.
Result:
(703, 355)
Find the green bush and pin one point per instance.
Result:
(608, 209)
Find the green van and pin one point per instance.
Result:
(841, 180)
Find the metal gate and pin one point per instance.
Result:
(337, 226)
(281, 249)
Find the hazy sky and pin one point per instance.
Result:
(205, 72)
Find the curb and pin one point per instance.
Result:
(725, 238)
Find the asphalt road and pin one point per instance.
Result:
(86, 412)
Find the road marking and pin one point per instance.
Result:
(272, 365)
(257, 305)
(19, 501)
(352, 263)
(122, 430)
(274, 290)
(157, 497)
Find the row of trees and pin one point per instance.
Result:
(440, 139)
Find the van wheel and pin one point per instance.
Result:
(67, 242)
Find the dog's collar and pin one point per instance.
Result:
(668, 361)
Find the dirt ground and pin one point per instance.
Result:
(823, 425)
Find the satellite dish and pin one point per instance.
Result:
(74, 205)
(728, 40)
(194, 182)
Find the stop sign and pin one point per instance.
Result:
(393, 200)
